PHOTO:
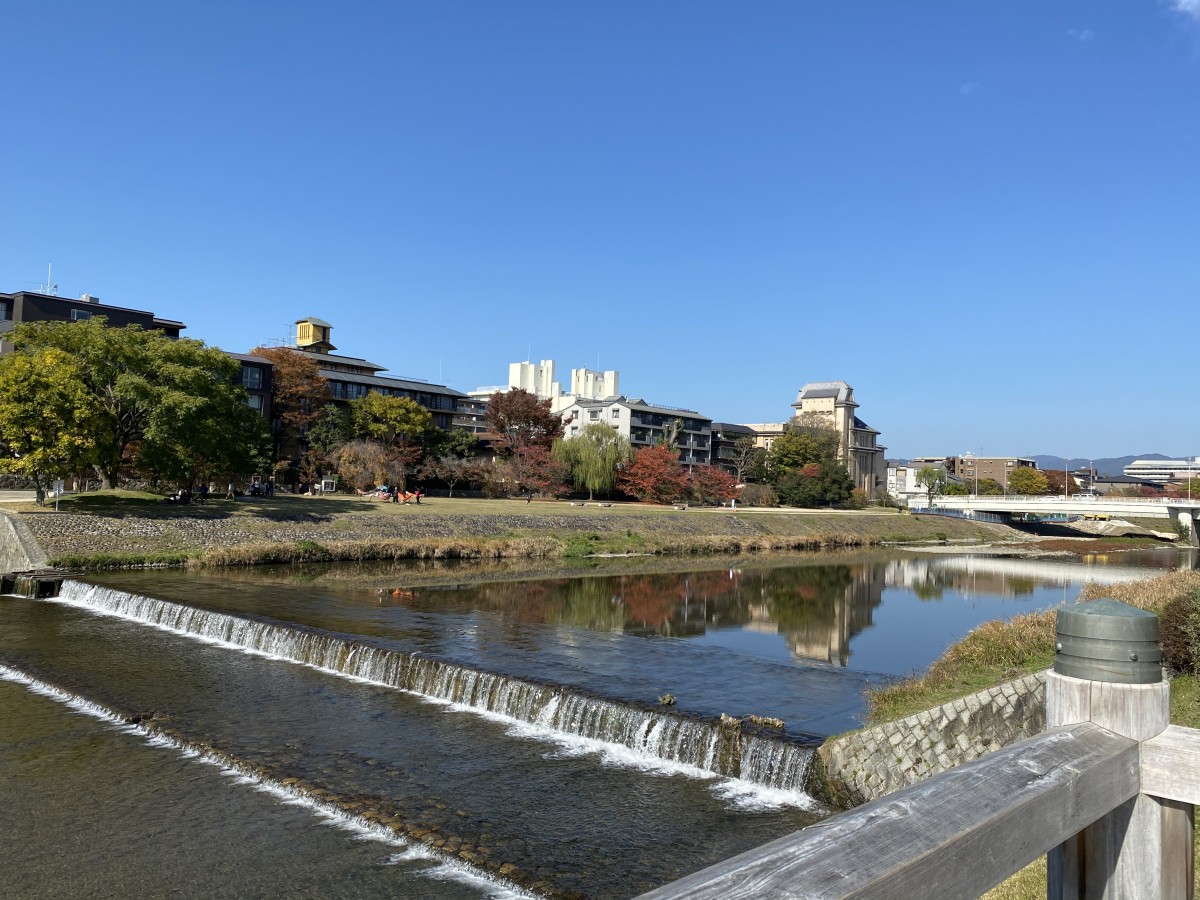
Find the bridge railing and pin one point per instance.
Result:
(1107, 792)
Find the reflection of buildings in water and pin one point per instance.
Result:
(819, 625)
(1003, 576)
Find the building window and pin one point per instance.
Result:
(254, 401)
(6, 309)
(80, 315)
(252, 378)
(616, 413)
(593, 414)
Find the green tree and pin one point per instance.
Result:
(440, 442)
(594, 457)
(392, 421)
(48, 418)
(955, 489)
(1027, 480)
(989, 487)
(149, 390)
(815, 484)
(933, 479)
(331, 429)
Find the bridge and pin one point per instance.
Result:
(1177, 511)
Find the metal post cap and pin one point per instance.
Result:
(1106, 640)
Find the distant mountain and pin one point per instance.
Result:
(1110, 465)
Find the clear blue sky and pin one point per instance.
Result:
(983, 216)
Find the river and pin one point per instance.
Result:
(466, 731)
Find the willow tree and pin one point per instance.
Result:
(594, 457)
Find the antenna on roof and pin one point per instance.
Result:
(49, 287)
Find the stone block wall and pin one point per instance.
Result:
(19, 549)
(859, 767)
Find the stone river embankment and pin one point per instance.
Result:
(295, 530)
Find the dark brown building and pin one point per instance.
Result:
(27, 306)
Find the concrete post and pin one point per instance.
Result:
(1142, 850)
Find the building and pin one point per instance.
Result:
(538, 380)
(902, 482)
(765, 433)
(1162, 471)
(27, 306)
(970, 469)
(350, 377)
(859, 448)
(645, 424)
(725, 438)
(256, 378)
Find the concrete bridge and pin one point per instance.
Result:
(1177, 511)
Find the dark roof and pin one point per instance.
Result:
(249, 357)
(734, 429)
(347, 360)
(383, 381)
(860, 425)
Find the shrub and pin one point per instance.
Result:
(759, 495)
(1179, 632)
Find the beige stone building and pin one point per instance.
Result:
(833, 401)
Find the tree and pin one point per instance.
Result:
(655, 475)
(450, 470)
(989, 487)
(711, 484)
(392, 421)
(441, 442)
(747, 456)
(1058, 482)
(331, 429)
(365, 464)
(516, 419)
(298, 395)
(530, 468)
(48, 418)
(594, 457)
(149, 391)
(955, 489)
(815, 484)
(933, 479)
(1027, 480)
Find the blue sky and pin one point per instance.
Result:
(983, 216)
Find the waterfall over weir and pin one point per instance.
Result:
(723, 750)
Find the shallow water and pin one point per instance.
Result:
(97, 809)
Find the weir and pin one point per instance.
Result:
(722, 749)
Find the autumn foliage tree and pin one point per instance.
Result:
(517, 419)
(655, 475)
(712, 484)
(298, 396)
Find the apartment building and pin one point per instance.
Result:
(645, 424)
(971, 469)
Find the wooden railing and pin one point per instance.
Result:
(1107, 792)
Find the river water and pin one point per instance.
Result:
(456, 730)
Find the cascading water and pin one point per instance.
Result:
(723, 750)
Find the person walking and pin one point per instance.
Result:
(229, 494)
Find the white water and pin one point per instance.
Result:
(620, 734)
(444, 868)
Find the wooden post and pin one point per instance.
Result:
(1142, 850)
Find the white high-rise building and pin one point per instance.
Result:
(586, 384)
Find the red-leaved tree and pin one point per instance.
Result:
(656, 475)
(712, 484)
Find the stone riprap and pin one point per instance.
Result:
(857, 768)
(202, 528)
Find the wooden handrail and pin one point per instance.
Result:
(954, 835)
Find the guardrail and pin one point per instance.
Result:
(1107, 792)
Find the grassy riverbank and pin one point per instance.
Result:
(1000, 651)
(122, 529)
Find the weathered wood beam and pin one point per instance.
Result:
(954, 835)
(1171, 765)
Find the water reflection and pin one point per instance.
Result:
(818, 609)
